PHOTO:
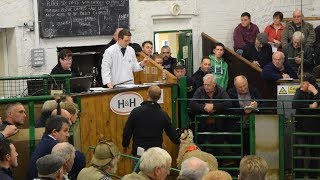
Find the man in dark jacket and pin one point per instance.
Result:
(8, 159)
(278, 69)
(308, 99)
(258, 52)
(64, 65)
(204, 68)
(292, 53)
(246, 95)
(168, 61)
(298, 25)
(146, 124)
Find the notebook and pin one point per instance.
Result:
(80, 84)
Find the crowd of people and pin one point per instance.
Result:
(277, 51)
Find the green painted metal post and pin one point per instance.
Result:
(31, 126)
(174, 92)
(281, 146)
(252, 134)
(183, 113)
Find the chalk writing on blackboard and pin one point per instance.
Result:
(65, 18)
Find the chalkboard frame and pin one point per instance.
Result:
(71, 18)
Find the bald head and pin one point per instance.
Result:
(154, 93)
(64, 113)
(241, 84)
(297, 17)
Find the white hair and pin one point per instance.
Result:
(299, 36)
(154, 157)
(194, 168)
(210, 76)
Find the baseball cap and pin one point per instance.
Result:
(179, 65)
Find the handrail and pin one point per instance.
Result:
(234, 53)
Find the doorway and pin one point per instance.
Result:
(180, 43)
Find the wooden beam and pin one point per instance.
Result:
(305, 19)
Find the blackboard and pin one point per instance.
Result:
(66, 18)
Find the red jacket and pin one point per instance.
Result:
(272, 34)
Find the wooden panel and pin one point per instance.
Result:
(152, 72)
(97, 117)
(239, 65)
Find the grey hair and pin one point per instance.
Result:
(298, 35)
(64, 150)
(153, 158)
(210, 76)
(194, 168)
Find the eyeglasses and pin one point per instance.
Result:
(68, 59)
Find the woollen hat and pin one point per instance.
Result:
(263, 38)
(104, 153)
(49, 164)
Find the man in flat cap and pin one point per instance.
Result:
(50, 167)
(104, 161)
(258, 52)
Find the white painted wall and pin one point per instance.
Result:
(217, 18)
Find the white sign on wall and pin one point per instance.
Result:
(124, 103)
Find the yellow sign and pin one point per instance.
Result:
(292, 89)
(283, 91)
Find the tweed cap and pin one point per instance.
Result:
(49, 164)
(104, 153)
(263, 38)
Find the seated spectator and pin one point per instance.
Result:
(316, 69)
(47, 108)
(50, 167)
(158, 59)
(64, 65)
(67, 152)
(246, 95)
(204, 69)
(63, 113)
(292, 53)
(244, 33)
(219, 66)
(193, 168)
(306, 102)
(258, 52)
(253, 167)
(210, 90)
(155, 163)
(217, 175)
(274, 30)
(103, 163)
(298, 25)
(277, 69)
(147, 48)
(179, 71)
(8, 159)
(168, 61)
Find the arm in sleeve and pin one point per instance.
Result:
(268, 74)
(285, 36)
(106, 66)
(308, 58)
(299, 104)
(311, 37)
(223, 105)
(238, 39)
(195, 105)
(170, 130)
(136, 65)
(291, 72)
(128, 130)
